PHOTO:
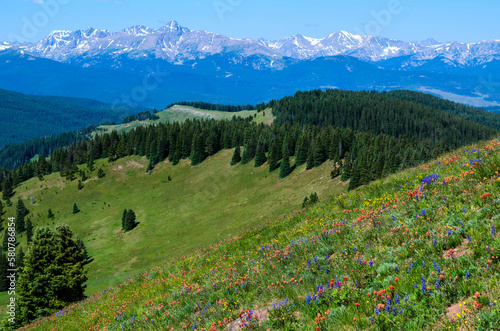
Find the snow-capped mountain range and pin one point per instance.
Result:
(178, 44)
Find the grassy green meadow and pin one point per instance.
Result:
(178, 113)
(418, 250)
(200, 206)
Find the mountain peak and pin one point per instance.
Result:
(138, 30)
(173, 26)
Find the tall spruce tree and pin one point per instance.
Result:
(285, 168)
(100, 173)
(21, 213)
(302, 150)
(62, 281)
(50, 214)
(7, 188)
(236, 156)
(250, 149)
(76, 210)
(130, 222)
(274, 155)
(260, 156)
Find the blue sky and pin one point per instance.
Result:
(408, 20)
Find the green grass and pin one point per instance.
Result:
(199, 207)
(178, 113)
(404, 227)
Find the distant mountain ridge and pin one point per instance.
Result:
(155, 67)
(177, 44)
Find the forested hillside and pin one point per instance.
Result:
(372, 135)
(26, 117)
(14, 155)
(488, 118)
(377, 113)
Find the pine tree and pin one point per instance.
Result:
(130, 222)
(310, 156)
(56, 253)
(80, 185)
(346, 168)
(249, 152)
(319, 155)
(305, 202)
(7, 189)
(236, 156)
(21, 213)
(285, 168)
(90, 163)
(29, 231)
(75, 209)
(274, 155)
(355, 176)
(313, 198)
(260, 156)
(302, 149)
(50, 214)
(100, 173)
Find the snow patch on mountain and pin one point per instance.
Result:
(178, 44)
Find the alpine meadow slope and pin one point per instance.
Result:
(418, 250)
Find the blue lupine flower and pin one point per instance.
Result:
(394, 311)
(467, 275)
